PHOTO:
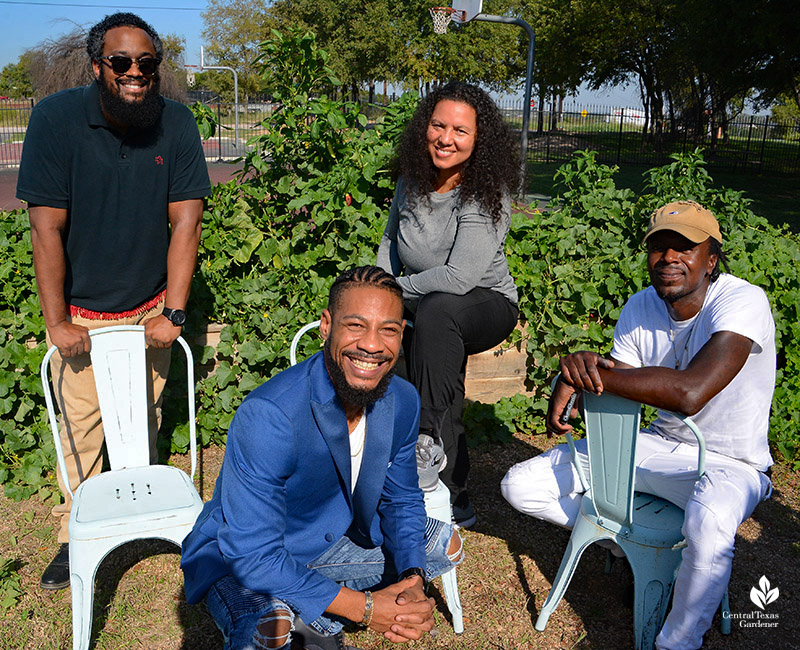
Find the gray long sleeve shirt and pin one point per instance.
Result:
(445, 247)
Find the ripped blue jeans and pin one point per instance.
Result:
(238, 611)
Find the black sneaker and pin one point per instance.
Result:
(304, 638)
(430, 461)
(463, 513)
(56, 575)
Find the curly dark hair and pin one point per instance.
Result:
(488, 174)
(97, 34)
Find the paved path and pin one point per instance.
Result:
(219, 173)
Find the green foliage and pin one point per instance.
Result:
(10, 584)
(15, 79)
(26, 445)
(497, 422)
(206, 120)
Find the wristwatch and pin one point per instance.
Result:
(176, 316)
(414, 571)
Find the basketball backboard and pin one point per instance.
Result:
(470, 9)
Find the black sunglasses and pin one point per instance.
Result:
(121, 64)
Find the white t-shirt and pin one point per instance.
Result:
(357, 439)
(736, 421)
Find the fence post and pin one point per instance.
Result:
(219, 130)
(749, 135)
(619, 140)
(763, 141)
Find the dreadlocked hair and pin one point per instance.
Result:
(715, 248)
(97, 34)
(490, 173)
(371, 276)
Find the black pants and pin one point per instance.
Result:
(448, 328)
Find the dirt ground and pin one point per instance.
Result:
(511, 562)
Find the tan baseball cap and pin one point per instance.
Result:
(687, 218)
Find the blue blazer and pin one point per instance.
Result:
(283, 495)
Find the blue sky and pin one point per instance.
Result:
(26, 24)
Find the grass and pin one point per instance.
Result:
(776, 197)
(511, 562)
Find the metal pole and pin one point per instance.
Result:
(219, 130)
(526, 109)
(235, 95)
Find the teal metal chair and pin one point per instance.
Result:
(437, 506)
(134, 500)
(646, 527)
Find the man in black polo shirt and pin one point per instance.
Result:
(114, 176)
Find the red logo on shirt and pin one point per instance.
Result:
(159, 160)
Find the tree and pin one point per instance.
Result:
(488, 54)
(785, 109)
(233, 30)
(15, 79)
(370, 40)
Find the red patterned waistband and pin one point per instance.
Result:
(104, 315)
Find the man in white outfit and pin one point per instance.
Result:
(697, 342)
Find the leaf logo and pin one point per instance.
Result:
(763, 596)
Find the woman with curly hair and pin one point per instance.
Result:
(457, 166)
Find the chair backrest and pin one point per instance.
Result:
(612, 426)
(120, 370)
(296, 340)
(120, 376)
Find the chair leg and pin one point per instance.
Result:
(569, 562)
(437, 506)
(653, 579)
(725, 614)
(82, 588)
(450, 588)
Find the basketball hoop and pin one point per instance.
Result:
(441, 18)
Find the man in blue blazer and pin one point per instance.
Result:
(317, 518)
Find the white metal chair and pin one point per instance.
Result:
(646, 527)
(437, 506)
(135, 500)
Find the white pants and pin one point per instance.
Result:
(547, 487)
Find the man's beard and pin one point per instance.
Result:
(142, 114)
(359, 397)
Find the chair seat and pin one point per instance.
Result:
(139, 498)
(657, 522)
